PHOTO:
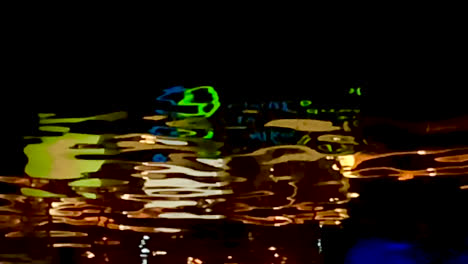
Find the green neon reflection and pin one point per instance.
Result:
(305, 103)
(201, 107)
(39, 193)
(54, 129)
(89, 195)
(355, 90)
(94, 182)
(209, 135)
(304, 140)
(105, 117)
(54, 158)
(45, 115)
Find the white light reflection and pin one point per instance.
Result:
(169, 204)
(180, 182)
(183, 215)
(191, 260)
(72, 245)
(144, 251)
(172, 142)
(217, 163)
(169, 168)
(147, 141)
(167, 230)
(89, 254)
(352, 195)
(185, 192)
(346, 161)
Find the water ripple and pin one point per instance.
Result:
(166, 173)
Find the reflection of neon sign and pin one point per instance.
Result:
(171, 131)
(209, 135)
(178, 132)
(159, 158)
(272, 136)
(305, 103)
(205, 109)
(170, 91)
(54, 158)
(272, 105)
(302, 107)
(356, 91)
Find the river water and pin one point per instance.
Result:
(198, 180)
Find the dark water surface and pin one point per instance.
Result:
(198, 177)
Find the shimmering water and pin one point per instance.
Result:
(199, 181)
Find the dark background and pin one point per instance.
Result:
(89, 76)
(85, 76)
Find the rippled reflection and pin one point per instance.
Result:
(88, 183)
(426, 163)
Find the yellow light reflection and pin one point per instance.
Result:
(105, 117)
(71, 245)
(307, 125)
(55, 159)
(89, 254)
